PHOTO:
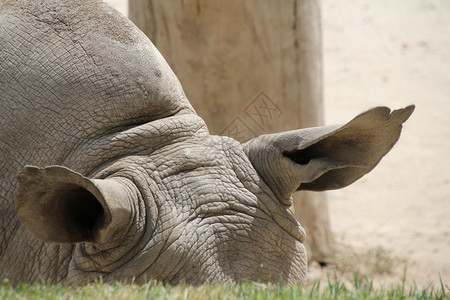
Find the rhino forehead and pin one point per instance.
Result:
(201, 175)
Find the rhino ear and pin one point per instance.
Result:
(59, 205)
(329, 157)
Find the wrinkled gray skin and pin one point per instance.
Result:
(128, 183)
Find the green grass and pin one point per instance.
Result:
(361, 289)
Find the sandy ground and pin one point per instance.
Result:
(392, 53)
(395, 53)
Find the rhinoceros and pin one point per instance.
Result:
(108, 172)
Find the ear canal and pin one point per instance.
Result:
(329, 157)
(60, 205)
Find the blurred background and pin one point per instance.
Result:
(395, 220)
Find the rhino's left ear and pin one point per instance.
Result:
(60, 205)
(329, 157)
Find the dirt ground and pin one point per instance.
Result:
(392, 53)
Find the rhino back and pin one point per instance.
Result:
(71, 72)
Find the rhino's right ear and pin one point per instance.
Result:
(324, 158)
(60, 205)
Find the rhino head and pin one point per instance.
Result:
(152, 195)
